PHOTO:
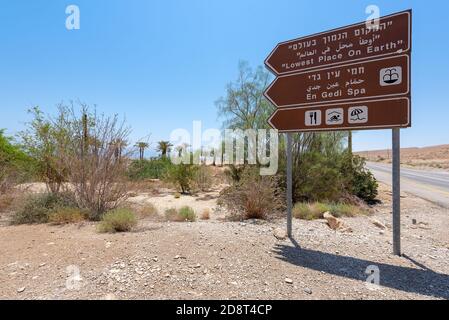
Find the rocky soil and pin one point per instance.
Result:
(232, 260)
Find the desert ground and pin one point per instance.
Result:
(436, 157)
(217, 259)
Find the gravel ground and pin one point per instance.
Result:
(231, 260)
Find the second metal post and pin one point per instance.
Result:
(396, 192)
(289, 185)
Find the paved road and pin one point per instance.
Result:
(429, 185)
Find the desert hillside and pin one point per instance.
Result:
(435, 156)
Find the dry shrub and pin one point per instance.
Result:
(172, 215)
(6, 201)
(182, 215)
(148, 211)
(253, 196)
(205, 215)
(84, 148)
(203, 178)
(38, 208)
(117, 220)
(315, 210)
(67, 215)
(177, 195)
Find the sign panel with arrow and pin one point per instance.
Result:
(348, 44)
(378, 78)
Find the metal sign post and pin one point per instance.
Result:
(396, 192)
(289, 184)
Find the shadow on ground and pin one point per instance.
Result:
(421, 280)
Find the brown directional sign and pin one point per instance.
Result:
(375, 114)
(379, 78)
(357, 42)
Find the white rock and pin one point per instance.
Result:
(280, 234)
(378, 224)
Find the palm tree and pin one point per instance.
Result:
(164, 147)
(118, 146)
(142, 146)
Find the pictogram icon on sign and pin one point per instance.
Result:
(391, 76)
(358, 114)
(313, 118)
(334, 116)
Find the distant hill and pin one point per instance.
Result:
(435, 156)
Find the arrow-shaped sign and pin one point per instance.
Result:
(357, 42)
(377, 114)
(387, 77)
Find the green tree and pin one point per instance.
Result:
(45, 143)
(142, 146)
(164, 148)
(15, 165)
(244, 106)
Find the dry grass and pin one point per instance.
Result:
(118, 220)
(253, 197)
(205, 215)
(67, 215)
(6, 201)
(148, 211)
(185, 214)
(312, 211)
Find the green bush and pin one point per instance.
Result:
(359, 180)
(117, 220)
(182, 176)
(149, 169)
(38, 208)
(318, 178)
(15, 165)
(187, 214)
(67, 215)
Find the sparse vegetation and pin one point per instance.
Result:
(84, 149)
(253, 197)
(149, 169)
(118, 220)
(15, 165)
(38, 208)
(67, 215)
(187, 213)
(148, 211)
(182, 176)
(6, 201)
(182, 215)
(315, 210)
(202, 178)
(205, 215)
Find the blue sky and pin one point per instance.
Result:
(164, 63)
